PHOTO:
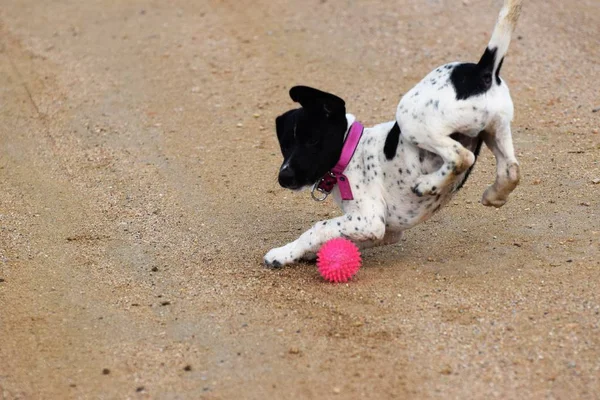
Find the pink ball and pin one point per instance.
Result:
(338, 260)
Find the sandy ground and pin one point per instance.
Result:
(138, 195)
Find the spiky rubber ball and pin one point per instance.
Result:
(338, 260)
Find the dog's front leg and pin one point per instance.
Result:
(390, 237)
(358, 228)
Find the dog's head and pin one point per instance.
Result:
(311, 137)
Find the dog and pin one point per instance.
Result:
(395, 175)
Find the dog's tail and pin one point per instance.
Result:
(498, 46)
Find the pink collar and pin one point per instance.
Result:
(326, 184)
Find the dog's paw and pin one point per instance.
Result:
(491, 198)
(278, 257)
(424, 187)
(273, 264)
(497, 194)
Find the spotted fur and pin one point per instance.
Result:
(469, 99)
(403, 171)
(384, 203)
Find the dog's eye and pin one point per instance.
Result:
(312, 142)
(313, 139)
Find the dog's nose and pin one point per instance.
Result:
(286, 177)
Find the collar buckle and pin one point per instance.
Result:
(326, 184)
(316, 197)
(323, 186)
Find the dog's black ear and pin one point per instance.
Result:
(314, 99)
(279, 121)
(280, 124)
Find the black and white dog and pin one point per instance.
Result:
(401, 172)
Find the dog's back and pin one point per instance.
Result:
(461, 98)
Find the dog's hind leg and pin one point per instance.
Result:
(507, 167)
(457, 159)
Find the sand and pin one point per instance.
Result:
(138, 195)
